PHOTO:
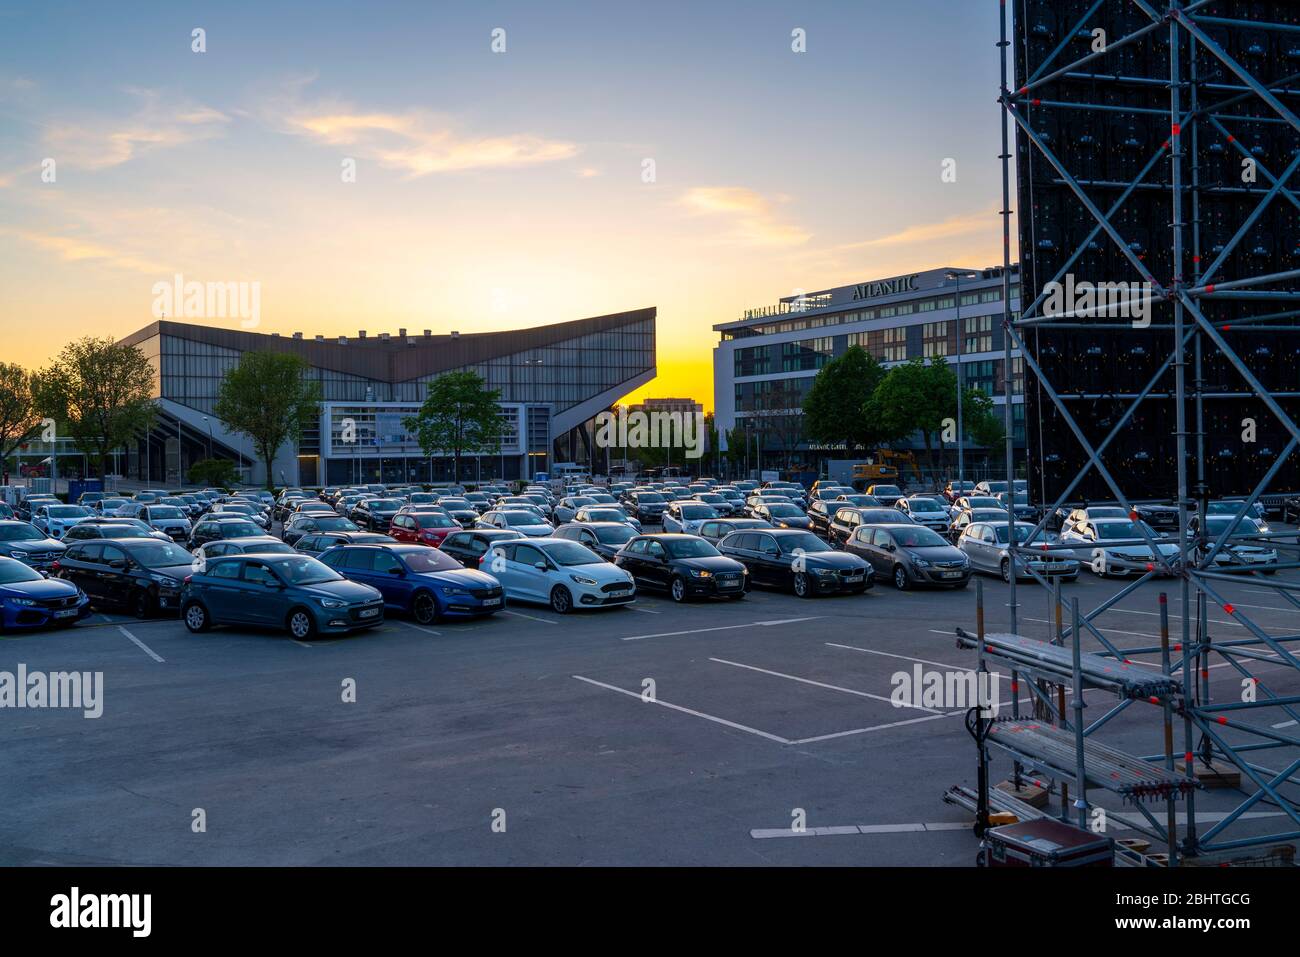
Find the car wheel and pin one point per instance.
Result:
(802, 586)
(196, 617)
(143, 605)
(1006, 570)
(301, 625)
(561, 600)
(424, 608)
(900, 578)
(678, 590)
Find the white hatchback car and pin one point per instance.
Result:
(559, 573)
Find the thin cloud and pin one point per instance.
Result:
(964, 225)
(73, 249)
(750, 215)
(155, 125)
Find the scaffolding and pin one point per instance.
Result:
(1254, 730)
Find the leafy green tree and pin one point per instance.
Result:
(101, 393)
(220, 473)
(981, 419)
(20, 419)
(834, 410)
(912, 397)
(459, 415)
(269, 398)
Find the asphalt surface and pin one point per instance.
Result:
(525, 738)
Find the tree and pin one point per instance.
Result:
(101, 393)
(914, 396)
(981, 420)
(20, 419)
(269, 398)
(834, 410)
(216, 472)
(459, 416)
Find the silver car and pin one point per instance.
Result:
(986, 545)
(54, 520)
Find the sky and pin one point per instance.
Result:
(605, 157)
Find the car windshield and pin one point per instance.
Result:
(122, 531)
(886, 490)
(565, 553)
(165, 511)
(270, 548)
(241, 508)
(862, 501)
(519, 519)
(982, 501)
(68, 511)
(924, 505)
(238, 529)
(606, 515)
(437, 520)
(160, 554)
(306, 571)
(384, 505)
(20, 533)
(336, 524)
(784, 511)
(108, 503)
(690, 548)
(1022, 532)
(429, 560)
(698, 511)
(918, 537)
(1120, 530)
(458, 503)
(806, 541)
(12, 572)
(615, 535)
(1216, 526)
(649, 497)
(582, 500)
(995, 487)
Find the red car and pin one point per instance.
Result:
(422, 528)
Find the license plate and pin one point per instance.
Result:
(369, 612)
(491, 601)
(66, 613)
(854, 578)
(1055, 568)
(621, 591)
(952, 574)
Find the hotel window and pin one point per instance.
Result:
(945, 302)
(979, 334)
(866, 314)
(887, 312)
(754, 361)
(894, 344)
(927, 305)
(904, 309)
(980, 375)
(1017, 375)
(934, 339)
(806, 355)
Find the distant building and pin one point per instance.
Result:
(684, 406)
(553, 380)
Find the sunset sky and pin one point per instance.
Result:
(493, 190)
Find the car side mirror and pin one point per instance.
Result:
(540, 566)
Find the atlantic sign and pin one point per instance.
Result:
(885, 287)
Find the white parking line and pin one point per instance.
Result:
(700, 631)
(821, 684)
(875, 727)
(143, 647)
(677, 707)
(516, 614)
(420, 628)
(1156, 614)
(886, 654)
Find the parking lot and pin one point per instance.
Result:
(535, 738)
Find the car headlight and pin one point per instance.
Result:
(823, 572)
(918, 561)
(24, 602)
(701, 573)
(581, 580)
(165, 581)
(17, 553)
(454, 591)
(332, 602)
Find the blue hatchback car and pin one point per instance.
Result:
(30, 600)
(419, 580)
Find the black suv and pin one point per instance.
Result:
(798, 560)
(144, 575)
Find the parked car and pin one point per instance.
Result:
(314, 543)
(260, 545)
(560, 573)
(460, 509)
(171, 520)
(422, 527)
(927, 511)
(967, 516)
(6, 510)
(1242, 549)
(685, 566)
(469, 546)
(986, 545)
(243, 509)
(54, 520)
(645, 506)
(1117, 546)
(887, 494)
(715, 530)
(419, 581)
(527, 523)
(783, 515)
(97, 528)
(109, 506)
(305, 523)
(798, 560)
(375, 514)
(141, 575)
(28, 544)
(687, 516)
(568, 506)
(214, 526)
(910, 555)
(29, 599)
(294, 593)
(1023, 511)
(846, 520)
(606, 513)
(603, 538)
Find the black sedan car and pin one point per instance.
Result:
(143, 575)
(686, 566)
(375, 514)
(798, 560)
(469, 546)
(606, 539)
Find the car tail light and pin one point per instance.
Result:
(54, 565)
(188, 579)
